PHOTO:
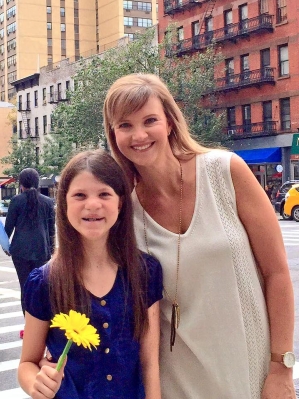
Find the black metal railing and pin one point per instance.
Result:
(258, 129)
(245, 79)
(173, 6)
(230, 32)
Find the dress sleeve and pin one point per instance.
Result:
(36, 294)
(154, 279)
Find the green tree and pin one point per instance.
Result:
(20, 155)
(188, 78)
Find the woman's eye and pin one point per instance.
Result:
(105, 194)
(150, 120)
(123, 125)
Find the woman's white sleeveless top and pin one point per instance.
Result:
(222, 346)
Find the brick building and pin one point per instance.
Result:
(258, 82)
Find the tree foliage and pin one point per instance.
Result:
(78, 123)
(20, 155)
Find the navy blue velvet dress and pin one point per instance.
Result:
(113, 370)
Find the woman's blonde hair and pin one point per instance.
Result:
(129, 94)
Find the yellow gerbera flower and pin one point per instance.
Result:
(77, 328)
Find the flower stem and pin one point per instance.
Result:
(63, 355)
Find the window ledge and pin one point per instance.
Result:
(282, 23)
(283, 77)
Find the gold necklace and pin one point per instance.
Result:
(175, 311)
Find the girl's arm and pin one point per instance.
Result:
(38, 383)
(149, 354)
(260, 222)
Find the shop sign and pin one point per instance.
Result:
(295, 147)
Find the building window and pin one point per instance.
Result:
(76, 13)
(246, 115)
(45, 124)
(11, 12)
(36, 126)
(49, 26)
(144, 6)
(11, 44)
(243, 16)
(195, 28)
(231, 118)
(264, 6)
(229, 70)
(285, 115)
(11, 28)
(62, 11)
(11, 61)
(76, 28)
(245, 72)
(44, 96)
(12, 76)
(67, 85)
(180, 33)
(281, 11)
(49, 41)
(2, 18)
(228, 20)
(77, 45)
(128, 5)
(49, 10)
(62, 27)
(283, 53)
(63, 44)
(51, 93)
(144, 22)
(128, 21)
(130, 36)
(2, 49)
(35, 98)
(267, 116)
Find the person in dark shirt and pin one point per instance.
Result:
(31, 219)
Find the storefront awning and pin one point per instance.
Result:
(2, 183)
(261, 155)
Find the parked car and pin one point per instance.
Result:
(280, 198)
(291, 206)
(3, 208)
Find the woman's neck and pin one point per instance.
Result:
(160, 178)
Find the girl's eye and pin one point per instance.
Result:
(105, 194)
(79, 195)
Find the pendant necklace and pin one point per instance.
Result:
(175, 310)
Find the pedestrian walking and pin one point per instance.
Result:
(31, 220)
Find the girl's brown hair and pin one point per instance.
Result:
(66, 284)
(129, 94)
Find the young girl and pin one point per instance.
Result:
(96, 270)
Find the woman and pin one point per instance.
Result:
(32, 219)
(228, 310)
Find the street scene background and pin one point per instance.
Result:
(11, 317)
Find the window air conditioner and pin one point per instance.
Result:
(231, 132)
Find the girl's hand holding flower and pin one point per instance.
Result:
(47, 382)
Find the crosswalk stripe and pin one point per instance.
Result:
(9, 365)
(7, 269)
(7, 304)
(16, 393)
(10, 315)
(11, 345)
(7, 329)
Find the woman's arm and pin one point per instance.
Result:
(260, 222)
(38, 383)
(149, 354)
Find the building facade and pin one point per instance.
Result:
(258, 81)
